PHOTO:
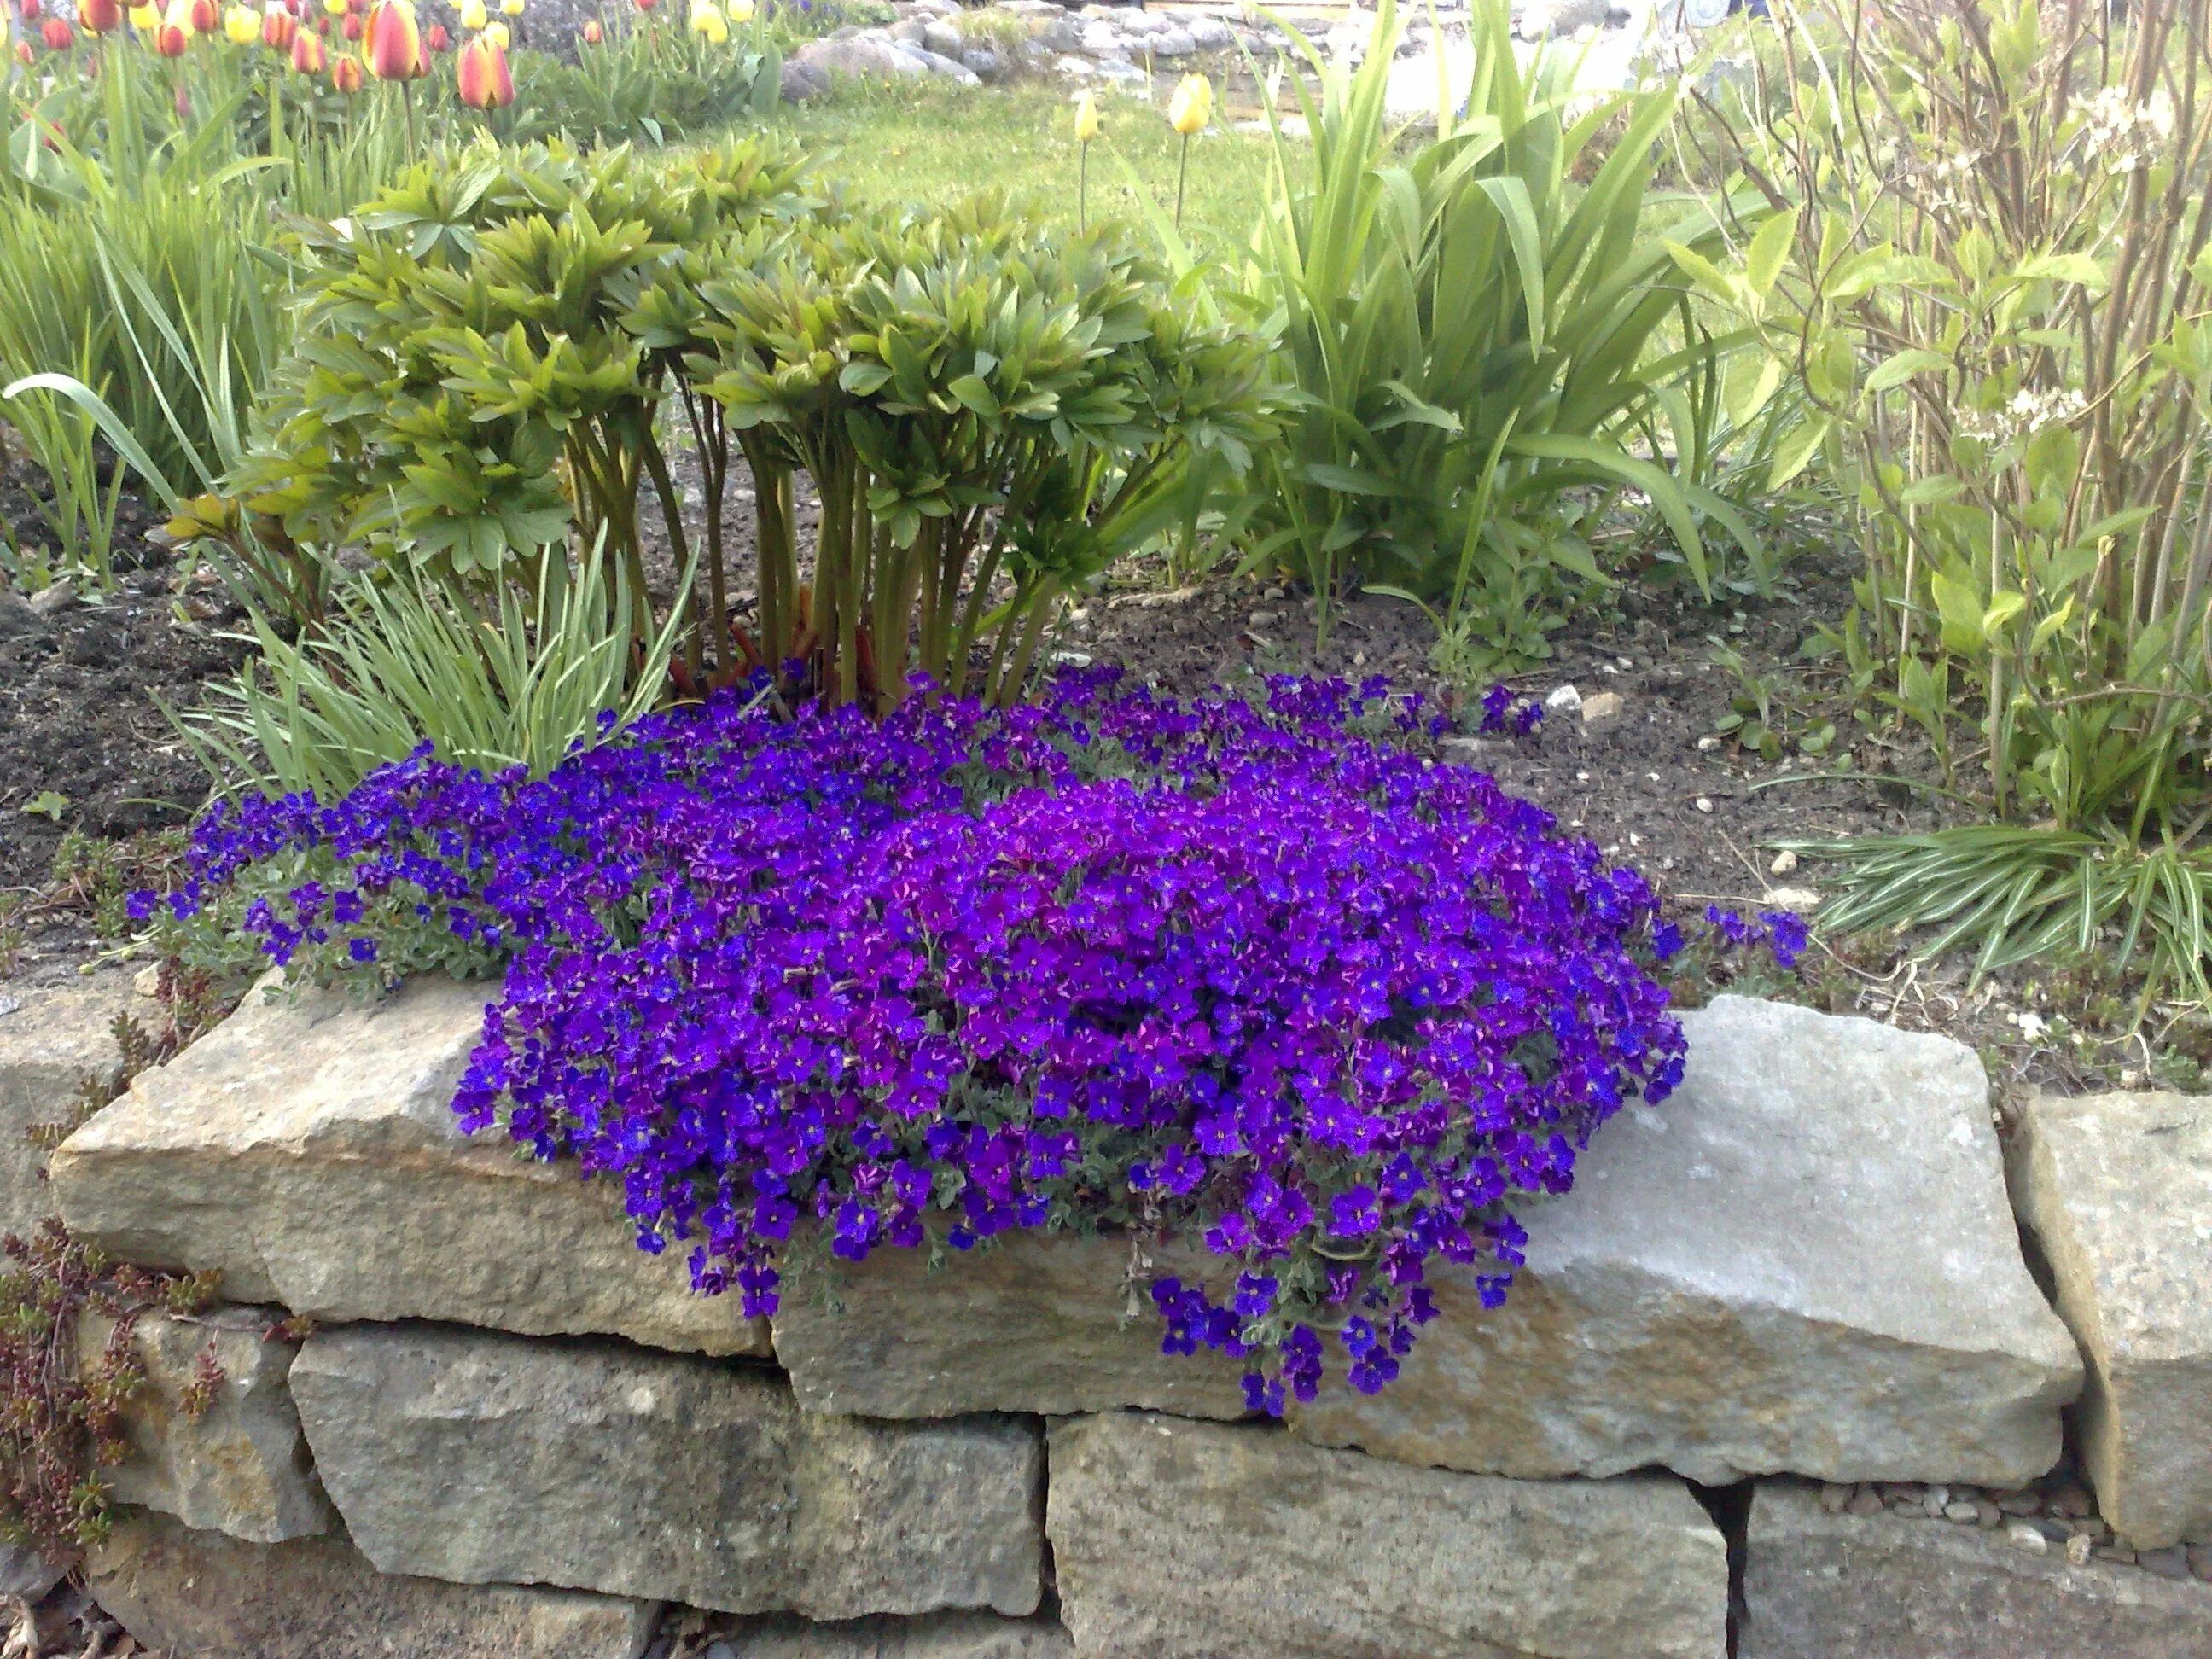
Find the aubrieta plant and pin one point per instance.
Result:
(1251, 972)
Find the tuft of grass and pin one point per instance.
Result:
(933, 142)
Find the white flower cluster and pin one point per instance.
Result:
(2118, 135)
(2029, 412)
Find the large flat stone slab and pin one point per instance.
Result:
(204, 1596)
(1805, 1261)
(53, 1036)
(1055, 1323)
(1177, 1540)
(240, 1465)
(933, 1636)
(2117, 1189)
(1822, 1586)
(481, 1458)
(307, 1149)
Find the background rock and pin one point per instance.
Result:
(306, 1148)
(53, 1037)
(1036, 1322)
(934, 1635)
(2118, 1191)
(203, 1596)
(241, 1466)
(480, 1458)
(1191, 1540)
(1818, 1584)
(1803, 1261)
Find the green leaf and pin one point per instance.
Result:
(1897, 370)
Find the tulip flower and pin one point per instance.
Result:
(436, 39)
(307, 55)
(98, 16)
(1188, 110)
(495, 32)
(174, 33)
(645, 5)
(473, 15)
(278, 26)
(30, 10)
(592, 33)
(1086, 130)
(241, 26)
(144, 17)
(512, 8)
(482, 77)
(56, 33)
(205, 16)
(739, 12)
(23, 53)
(347, 74)
(708, 21)
(393, 43)
(350, 25)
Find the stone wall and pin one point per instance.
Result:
(1801, 1280)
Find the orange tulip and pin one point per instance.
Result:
(482, 75)
(346, 73)
(277, 29)
(393, 45)
(98, 16)
(436, 39)
(307, 52)
(592, 33)
(23, 53)
(174, 33)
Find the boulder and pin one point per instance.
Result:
(203, 1595)
(942, 38)
(2117, 1190)
(1804, 1261)
(934, 1635)
(307, 1151)
(871, 59)
(240, 1466)
(1201, 1541)
(30, 1573)
(1173, 43)
(477, 1457)
(1033, 1322)
(800, 81)
(1818, 1584)
(54, 1038)
(1542, 20)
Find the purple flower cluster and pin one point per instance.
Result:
(1247, 972)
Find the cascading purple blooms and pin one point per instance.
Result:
(1257, 973)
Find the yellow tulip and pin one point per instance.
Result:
(1086, 118)
(739, 12)
(1192, 106)
(242, 26)
(512, 8)
(143, 18)
(473, 15)
(708, 21)
(496, 33)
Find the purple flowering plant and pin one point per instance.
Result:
(1251, 971)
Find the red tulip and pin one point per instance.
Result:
(24, 51)
(346, 73)
(30, 11)
(482, 75)
(352, 28)
(592, 33)
(436, 39)
(174, 33)
(277, 29)
(98, 16)
(183, 100)
(307, 52)
(644, 5)
(205, 16)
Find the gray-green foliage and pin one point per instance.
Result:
(1472, 334)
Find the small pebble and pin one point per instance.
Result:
(1784, 862)
(1834, 1498)
(2027, 1539)
(2104, 1553)
(2020, 1503)
(2200, 1561)
(1987, 1515)
(1703, 805)
(1935, 1500)
(2077, 1550)
(2052, 1527)
(1965, 1514)
(1706, 745)
(2171, 1562)
(1563, 701)
(1865, 1501)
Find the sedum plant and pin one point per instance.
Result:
(1988, 263)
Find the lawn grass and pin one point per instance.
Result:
(930, 141)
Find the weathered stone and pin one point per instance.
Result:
(307, 1149)
(871, 59)
(30, 1573)
(1036, 1322)
(1197, 1540)
(53, 1038)
(1727, 1289)
(2117, 1189)
(203, 1596)
(800, 81)
(476, 1457)
(933, 1636)
(240, 1465)
(1817, 1585)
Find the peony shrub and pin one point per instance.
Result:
(1256, 972)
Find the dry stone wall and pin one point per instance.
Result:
(514, 1433)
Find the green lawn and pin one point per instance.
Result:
(930, 141)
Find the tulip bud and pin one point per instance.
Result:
(495, 32)
(592, 33)
(30, 9)
(645, 5)
(204, 16)
(241, 26)
(1086, 118)
(708, 23)
(346, 73)
(174, 33)
(1192, 105)
(436, 39)
(350, 26)
(393, 44)
(56, 33)
(482, 77)
(739, 12)
(278, 26)
(98, 16)
(145, 17)
(512, 8)
(23, 54)
(307, 54)
(473, 15)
